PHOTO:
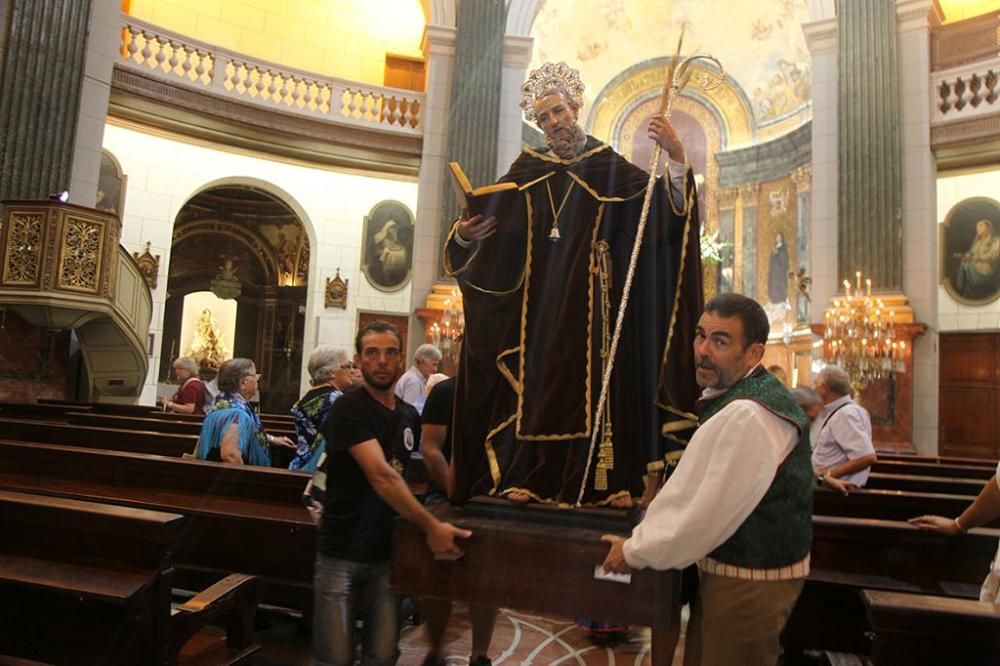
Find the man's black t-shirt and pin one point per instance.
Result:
(437, 411)
(356, 523)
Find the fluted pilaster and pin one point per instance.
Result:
(474, 111)
(869, 165)
(40, 85)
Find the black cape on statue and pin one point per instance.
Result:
(539, 316)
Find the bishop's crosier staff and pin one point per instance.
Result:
(678, 76)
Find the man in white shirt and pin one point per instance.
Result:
(410, 387)
(812, 405)
(844, 448)
(739, 503)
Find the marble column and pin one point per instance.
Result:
(869, 166)
(914, 21)
(40, 88)
(474, 112)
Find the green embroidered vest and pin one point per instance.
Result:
(778, 532)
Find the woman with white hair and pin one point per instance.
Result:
(232, 432)
(190, 397)
(331, 372)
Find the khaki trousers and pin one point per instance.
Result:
(737, 621)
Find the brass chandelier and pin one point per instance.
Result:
(860, 336)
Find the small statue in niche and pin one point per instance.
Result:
(208, 348)
(336, 292)
(149, 265)
(286, 255)
(227, 271)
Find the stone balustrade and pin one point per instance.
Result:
(151, 50)
(965, 68)
(966, 91)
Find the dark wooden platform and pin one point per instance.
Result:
(541, 560)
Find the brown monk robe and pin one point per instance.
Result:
(541, 297)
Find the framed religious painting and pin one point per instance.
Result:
(970, 251)
(110, 185)
(387, 250)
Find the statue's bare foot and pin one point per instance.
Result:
(518, 497)
(624, 502)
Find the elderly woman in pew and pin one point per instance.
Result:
(190, 397)
(985, 509)
(232, 431)
(331, 372)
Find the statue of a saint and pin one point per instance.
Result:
(207, 347)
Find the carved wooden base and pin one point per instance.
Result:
(540, 561)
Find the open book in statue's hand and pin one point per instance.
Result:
(485, 200)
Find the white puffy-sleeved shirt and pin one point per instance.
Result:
(845, 434)
(723, 475)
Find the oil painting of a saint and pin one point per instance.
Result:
(388, 246)
(971, 251)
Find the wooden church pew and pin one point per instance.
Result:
(854, 554)
(138, 441)
(934, 469)
(890, 504)
(938, 460)
(922, 630)
(925, 484)
(246, 519)
(83, 582)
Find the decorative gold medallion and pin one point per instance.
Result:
(554, 233)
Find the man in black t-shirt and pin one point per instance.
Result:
(369, 434)
(435, 445)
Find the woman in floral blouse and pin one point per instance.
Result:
(331, 373)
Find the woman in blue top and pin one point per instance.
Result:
(331, 372)
(232, 431)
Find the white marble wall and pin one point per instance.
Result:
(821, 36)
(163, 174)
(915, 19)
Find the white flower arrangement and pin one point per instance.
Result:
(712, 247)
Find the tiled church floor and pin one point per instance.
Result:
(519, 638)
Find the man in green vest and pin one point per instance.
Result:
(739, 504)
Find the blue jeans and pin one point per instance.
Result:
(344, 591)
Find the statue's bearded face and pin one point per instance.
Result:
(557, 118)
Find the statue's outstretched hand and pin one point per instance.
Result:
(476, 228)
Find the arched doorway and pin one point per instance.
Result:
(239, 263)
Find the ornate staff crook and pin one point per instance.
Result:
(678, 76)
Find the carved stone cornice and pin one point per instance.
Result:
(766, 161)
(967, 143)
(918, 15)
(821, 36)
(517, 51)
(438, 40)
(150, 102)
